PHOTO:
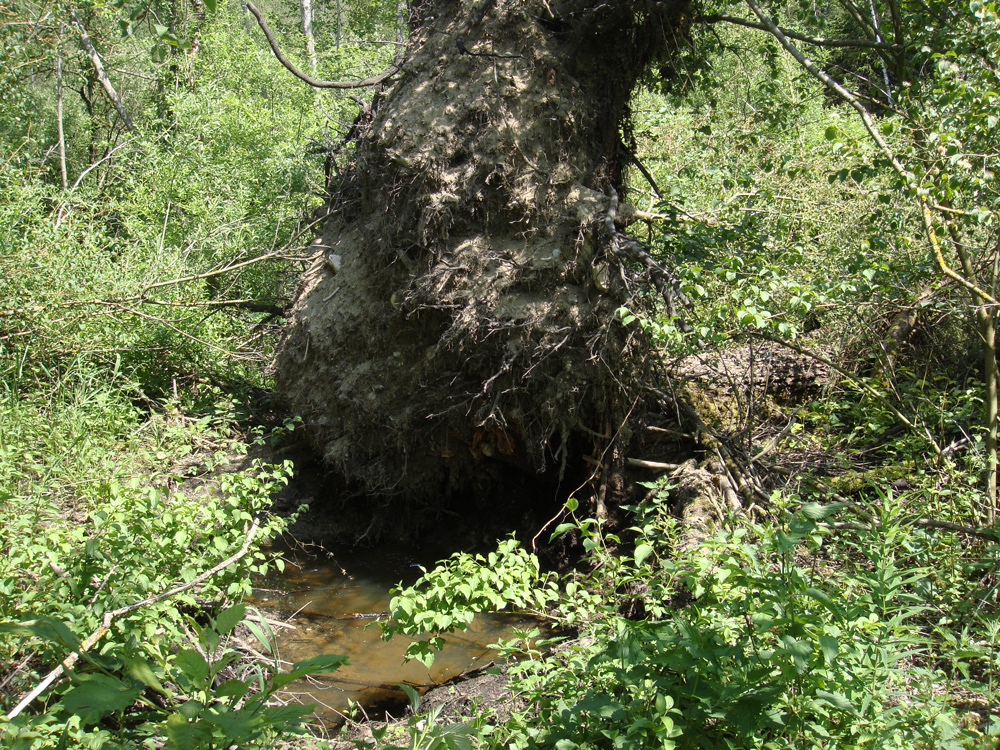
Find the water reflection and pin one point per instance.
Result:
(339, 600)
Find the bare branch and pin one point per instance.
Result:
(860, 384)
(314, 82)
(102, 75)
(927, 523)
(816, 41)
(868, 121)
(94, 637)
(100, 161)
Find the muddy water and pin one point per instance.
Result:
(339, 600)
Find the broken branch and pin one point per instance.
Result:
(94, 637)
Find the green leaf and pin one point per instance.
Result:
(184, 735)
(192, 664)
(422, 652)
(642, 552)
(823, 598)
(319, 663)
(94, 695)
(285, 714)
(143, 672)
(230, 618)
(261, 636)
(232, 688)
(830, 646)
(837, 700)
(211, 5)
(799, 650)
(456, 737)
(413, 696)
(47, 628)
(238, 726)
(561, 529)
(312, 665)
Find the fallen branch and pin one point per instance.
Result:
(816, 41)
(276, 255)
(94, 637)
(930, 523)
(178, 331)
(860, 384)
(100, 161)
(776, 440)
(249, 305)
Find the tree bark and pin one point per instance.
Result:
(991, 405)
(102, 76)
(59, 119)
(307, 29)
(461, 313)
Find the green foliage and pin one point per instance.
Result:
(59, 578)
(762, 240)
(423, 731)
(795, 635)
(124, 354)
(448, 597)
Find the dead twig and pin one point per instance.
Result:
(105, 626)
(655, 465)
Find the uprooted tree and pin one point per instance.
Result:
(462, 309)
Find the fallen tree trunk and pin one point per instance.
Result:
(461, 310)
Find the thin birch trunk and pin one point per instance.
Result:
(885, 69)
(307, 29)
(102, 76)
(338, 23)
(401, 8)
(59, 119)
(246, 17)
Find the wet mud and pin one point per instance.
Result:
(335, 600)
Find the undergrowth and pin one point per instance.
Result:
(791, 632)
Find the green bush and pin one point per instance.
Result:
(786, 634)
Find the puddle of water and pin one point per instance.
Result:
(338, 601)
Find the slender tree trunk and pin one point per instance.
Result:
(987, 333)
(307, 29)
(59, 119)
(102, 76)
(339, 13)
(885, 68)
(401, 10)
(245, 15)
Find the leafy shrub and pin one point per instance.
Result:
(784, 644)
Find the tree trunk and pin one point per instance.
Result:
(59, 118)
(307, 29)
(461, 314)
(102, 76)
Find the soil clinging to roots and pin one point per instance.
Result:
(461, 311)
